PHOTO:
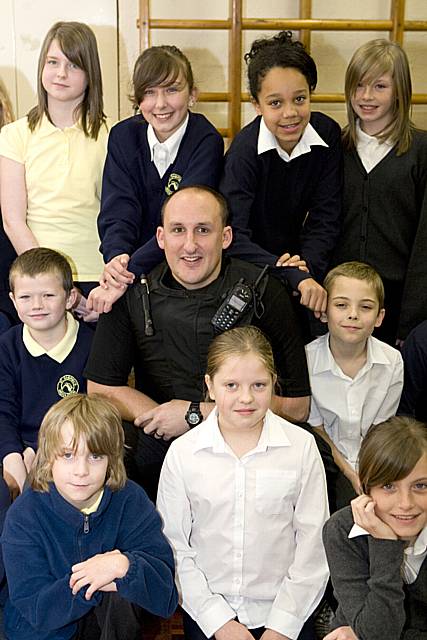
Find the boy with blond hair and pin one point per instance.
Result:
(356, 380)
(83, 546)
(41, 360)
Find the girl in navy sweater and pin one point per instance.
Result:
(83, 547)
(282, 173)
(377, 548)
(150, 156)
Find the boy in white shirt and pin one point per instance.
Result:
(356, 380)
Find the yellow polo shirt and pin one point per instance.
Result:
(63, 173)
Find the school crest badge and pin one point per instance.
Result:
(173, 183)
(67, 386)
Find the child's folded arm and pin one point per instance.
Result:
(367, 581)
(33, 591)
(149, 580)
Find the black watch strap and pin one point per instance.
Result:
(194, 416)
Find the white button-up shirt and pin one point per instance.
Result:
(371, 150)
(163, 154)
(346, 406)
(268, 141)
(246, 531)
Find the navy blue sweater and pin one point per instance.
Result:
(29, 386)
(133, 192)
(279, 206)
(44, 536)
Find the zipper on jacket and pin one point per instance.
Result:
(86, 524)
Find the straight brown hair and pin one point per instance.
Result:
(78, 43)
(390, 450)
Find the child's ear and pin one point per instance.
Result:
(256, 106)
(380, 317)
(194, 94)
(71, 299)
(12, 297)
(209, 385)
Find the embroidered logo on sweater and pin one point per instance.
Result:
(173, 183)
(67, 385)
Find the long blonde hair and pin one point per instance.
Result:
(372, 60)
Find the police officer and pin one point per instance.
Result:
(184, 293)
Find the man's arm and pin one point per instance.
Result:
(292, 409)
(165, 420)
(130, 402)
(343, 465)
(279, 324)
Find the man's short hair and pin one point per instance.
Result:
(222, 202)
(40, 260)
(358, 271)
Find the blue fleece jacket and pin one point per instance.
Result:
(44, 536)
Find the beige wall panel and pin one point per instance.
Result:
(189, 9)
(128, 52)
(8, 71)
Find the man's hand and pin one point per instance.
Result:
(101, 300)
(313, 296)
(363, 508)
(269, 634)
(286, 260)
(98, 572)
(233, 630)
(341, 633)
(115, 273)
(165, 421)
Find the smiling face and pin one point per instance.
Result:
(165, 106)
(63, 81)
(373, 103)
(353, 311)
(193, 237)
(242, 389)
(79, 476)
(402, 504)
(284, 103)
(41, 303)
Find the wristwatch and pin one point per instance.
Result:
(193, 417)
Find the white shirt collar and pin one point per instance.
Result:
(420, 545)
(171, 145)
(325, 360)
(267, 141)
(371, 150)
(357, 531)
(417, 549)
(209, 435)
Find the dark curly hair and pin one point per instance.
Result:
(278, 51)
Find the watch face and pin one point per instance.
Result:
(194, 418)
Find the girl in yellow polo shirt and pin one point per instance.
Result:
(51, 161)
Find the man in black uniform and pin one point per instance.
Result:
(184, 294)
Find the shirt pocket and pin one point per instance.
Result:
(273, 490)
